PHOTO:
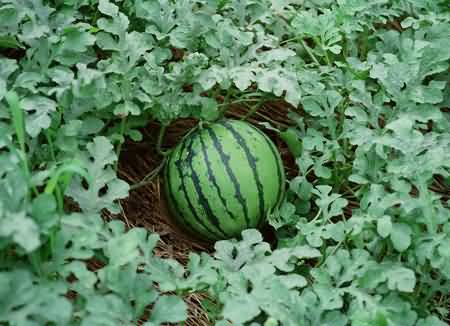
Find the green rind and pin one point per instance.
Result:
(183, 203)
(224, 181)
(252, 162)
(212, 179)
(223, 161)
(279, 166)
(265, 148)
(200, 203)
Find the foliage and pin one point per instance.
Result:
(368, 85)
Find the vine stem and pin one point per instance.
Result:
(319, 43)
(317, 216)
(226, 103)
(276, 123)
(238, 101)
(290, 39)
(162, 131)
(325, 257)
(308, 50)
(123, 125)
(58, 192)
(155, 172)
(253, 109)
(19, 125)
(149, 177)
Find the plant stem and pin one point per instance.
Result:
(319, 43)
(226, 103)
(364, 44)
(35, 260)
(252, 94)
(123, 125)
(50, 145)
(149, 177)
(238, 101)
(269, 119)
(162, 131)
(58, 192)
(308, 50)
(19, 126)
(325, 257)
(215, 92)
(317, 216)
(290, 39)
(253, 109)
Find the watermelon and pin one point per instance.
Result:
(223, 178)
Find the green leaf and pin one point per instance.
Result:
(9, 42)
(168, 309)
(127, 247)
(240, 309)
(44, 213)
(281, 54)
(279, 83)
(401, 279)
(38, 117)
(97, 161)
(431, 321)
(127, 108)
(292, 139)
(26, 300)
(337, 206)
(78, 39)
(401, 236)
(106, 309)
(401, 126)
(242, 77)
(116, 25)
(17, 115)
(86, 279)
(7, 67)
(335, 231)
(89, 232)
(8, 16)
(428, 94)
(209, 109)
(384, 226)
(21, 228)
(312, 107)
(107, 8)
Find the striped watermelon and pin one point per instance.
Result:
(224, 178)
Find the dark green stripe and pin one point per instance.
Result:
(274, 152)
(181, 218)
(202, 200)
(212, 178)
(252, 161)
(178, 212)
(178, 164)
(226, 162)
